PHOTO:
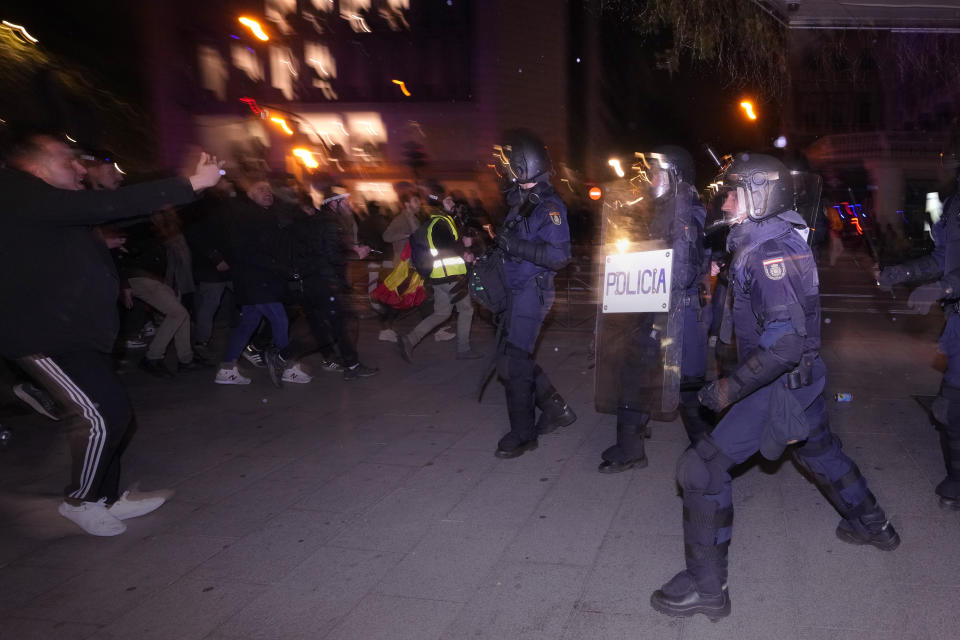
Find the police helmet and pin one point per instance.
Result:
(663, 170)
(521, 158)
(763, 185)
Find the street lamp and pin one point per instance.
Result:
(747, 107)
(255, 27)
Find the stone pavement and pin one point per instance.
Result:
(375, 510)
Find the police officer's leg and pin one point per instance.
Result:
(639, 376)
(947, 412)
(515, 367)
(840, 481)
(554, 410)
(702, 472)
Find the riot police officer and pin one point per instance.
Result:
(676, 221)
(535, 240)
(942, 267)
(776, 393)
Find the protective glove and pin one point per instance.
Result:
(894, 274)
(720, 394)
(922, 298)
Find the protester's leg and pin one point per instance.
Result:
(207, 300)
(442, 309)
(163, 299)
(276, 315)
(97, 412)
(464, 321)
(240, 336)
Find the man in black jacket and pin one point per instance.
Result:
(60, 291)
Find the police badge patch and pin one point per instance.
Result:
(555, 218)
(774, 268)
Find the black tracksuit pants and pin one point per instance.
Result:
(96, 410)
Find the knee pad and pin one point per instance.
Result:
(702, 467)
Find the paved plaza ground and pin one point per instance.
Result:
(375, 509)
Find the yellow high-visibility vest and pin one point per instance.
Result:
(444, 267)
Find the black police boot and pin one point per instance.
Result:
(629, 450)
(523, 431)
(871, 528)
(555, 412)
(681, 598)
(949, 492)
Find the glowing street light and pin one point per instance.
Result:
(306, 157)
(616, 167)
(283, 125)
(403, 87)
(255, 27)
(747, 107)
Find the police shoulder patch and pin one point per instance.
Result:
(774, 269)
(556, 218)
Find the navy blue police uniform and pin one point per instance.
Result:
(777, 399)
(536, 245)
(942, 266)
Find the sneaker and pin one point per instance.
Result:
(155, 368)
(296, 375)
(387, 335)
(359, 371)
(149, 330)
(254, 356)
(276, 365)
(231, 376)
(444, 334)
(125, 508)
(38, 400)
(331, 365)
(134, 343)
(93, 517)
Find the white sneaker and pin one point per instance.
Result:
(231, 376)
(93, 517)
(296, 374)
(444, 334)
(387, 335)
(125, 508)
(149, 330)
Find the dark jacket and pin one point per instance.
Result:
(260, 254)
(209, 241)
(59, 288)
(318, 253)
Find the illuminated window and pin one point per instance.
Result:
(213, 71)
(366, 127)
(323, 5)
(247, 61)
(327, 129)
(283, 71)
(276, 11)
(353, 11)
(319, 57)
(382, 192)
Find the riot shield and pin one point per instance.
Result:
(807, 188)
(639, 320)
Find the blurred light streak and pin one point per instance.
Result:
(306, 157)
(255, 27)
(119, 170)
(403, 87)
(252, 103)
(616, 167)
(748, 108)
(21, 31)
(622, 245)
(283, 125)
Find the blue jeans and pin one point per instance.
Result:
(250, 320)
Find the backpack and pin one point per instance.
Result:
(487, 282)
(420, 256)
